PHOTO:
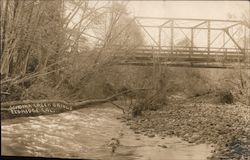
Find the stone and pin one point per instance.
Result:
(151, 135)
(128, 118)
(195, 137)
(133, 127)
(162, 146)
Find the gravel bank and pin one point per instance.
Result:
(226, 127)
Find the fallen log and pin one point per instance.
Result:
(26, 108)
(5, 93)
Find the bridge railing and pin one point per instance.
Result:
(165, 51)
(190, 51)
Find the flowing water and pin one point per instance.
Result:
(87, 133)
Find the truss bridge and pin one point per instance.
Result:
(186, 42)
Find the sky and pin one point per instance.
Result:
(188, 9)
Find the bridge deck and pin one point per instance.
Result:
(184, 56)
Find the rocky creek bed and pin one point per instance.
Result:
(90, 133)
(224, 126)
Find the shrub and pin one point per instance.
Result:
(227, 97)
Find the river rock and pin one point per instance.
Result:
(134, 127)
(128, 118)
(186, 136)
(201, 123)
(128, 123)
(162, 146)
(195, 137)
(123, 120)
(151, 135)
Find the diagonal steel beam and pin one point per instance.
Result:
(236, 24)
(146, 31)
(224, 43)
(199, 24)
(184, 33)
(242, 51)
(216, 38)
(165, 23)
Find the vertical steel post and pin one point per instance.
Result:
(159, 40)
(158, 59)
(172, 36)
(208, 37)
(224, 39)
(154, 69)
(245, 44)
(159, 43)
(248, 47)
(191, 42)
(245, 37)
(159, 52)
(223, 46)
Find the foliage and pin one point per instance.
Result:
(30, 29)
(69, 46)
(239, 85)
(226, 97)
(50, 42)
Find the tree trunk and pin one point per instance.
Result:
(36, 107)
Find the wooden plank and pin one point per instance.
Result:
(228, 66)
(186, 51)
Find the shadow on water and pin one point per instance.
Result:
(86, 133)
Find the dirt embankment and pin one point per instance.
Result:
(227, 127)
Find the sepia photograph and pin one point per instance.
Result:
(125, 80)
